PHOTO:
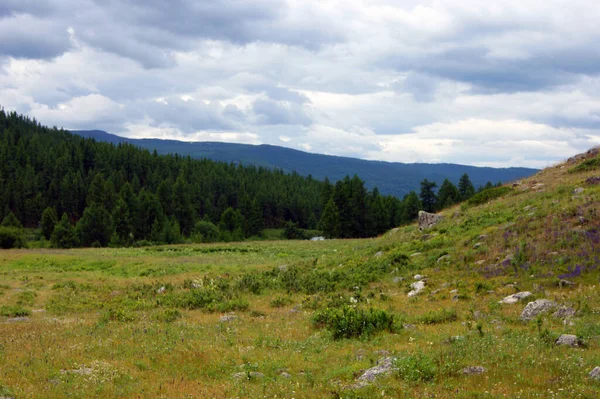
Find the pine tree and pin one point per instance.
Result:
(448, 195)
(95, 227)
(412, 206)
(49, 220)
(330, 221)
(64, 234)
(465, 187)
(11, 220)
(427, 195)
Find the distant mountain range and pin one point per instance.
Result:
(393, 178)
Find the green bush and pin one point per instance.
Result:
(587, 165)
(11, 237)
(118, 314)
(418, 367)
(168, 315)
(14, 311)
(485, 196)
(349, 322)
(438, 317)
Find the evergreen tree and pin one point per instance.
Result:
(95, 227)
(64, 234)
(465, 187)
(207, 230)
(11, 220)
(330, 221)
(448, 195)
(427, 195)
(412, 206)
(49, 220)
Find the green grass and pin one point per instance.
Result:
(183, 320)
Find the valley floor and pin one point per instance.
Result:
(246, 319)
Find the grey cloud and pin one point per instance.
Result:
(275, 113)
(24, 36)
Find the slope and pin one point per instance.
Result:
(270, 319)
(390, 177)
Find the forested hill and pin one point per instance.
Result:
(121, 194)
(391, 178)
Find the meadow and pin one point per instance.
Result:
(302, 319)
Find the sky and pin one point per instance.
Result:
(502, 83)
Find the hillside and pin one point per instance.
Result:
(396, 179)
(409, 314)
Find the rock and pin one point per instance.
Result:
(384, 366)
(568, 340)
(477, 245)
(443, 258)
(514, 298)
(474, 370)
(318, 238)
(595, 373)
(418, 277)
(17, 319)
(592, 181)
(283, 268)
(483, 237)
(565, 283)
(415, 254)
(428, 220)
(256, 374)
(578, 190)
(379, 254)
(454, 292)
(477, 315)
(408, 326)
(161, 290)
(537, 307)
(382, 352)
(285, 375)
(417, 287)
(397, 279)
(564, 312)
(480, 262)
(227, 318)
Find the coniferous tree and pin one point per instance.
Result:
(11, 220)
(330, 221)
(49, 220)
(412, 206)
(465, 187)
(448, 195)
(427, 195)
(95, 227)
(64, 234)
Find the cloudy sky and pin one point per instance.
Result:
(502, 83)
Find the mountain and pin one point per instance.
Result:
(393, 178)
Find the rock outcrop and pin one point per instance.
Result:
(537, 307)
(428, 220)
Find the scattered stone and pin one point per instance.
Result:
(227, 318)
(565, 283)
(161, 290)
(428, 220)
(398, 279)
(418, 277)
(477, 315)
(382, 352)
(491, 291)
(564, 312)
(319, 238)
(38, 310)
(415, 254)
(454, 292)
(379, 254)
(578, 190)
(408, 326)
(592, 181)
(17, 319)
(595, 373)
(434, 292)
(480, 262)
(508, 258)
(283, 268)
(514, 298)
(384, 366)
(537, 307)
(483, 237)
(456, 338)
(477, 245)
(417, 287)
(285, 375)
(443, 258)
(474, 370)
(567, 340)
(455, 298)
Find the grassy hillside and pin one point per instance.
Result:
(391, 178)
(306, 319)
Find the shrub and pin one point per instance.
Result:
(11, 237)
(14, 311)
(292, 232)
(418, 367)
(485, 196)
(118, 314)
(168, 315)
(438, 317)
(280, 302)
(64, 235)
(587, 165)
(349, 322)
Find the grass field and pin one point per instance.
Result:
(300, 319)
